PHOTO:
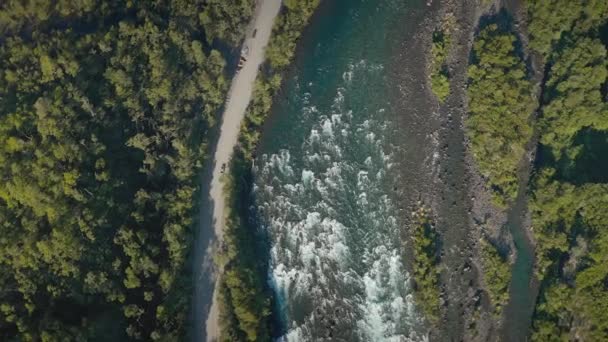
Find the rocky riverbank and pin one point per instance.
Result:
(458, 193)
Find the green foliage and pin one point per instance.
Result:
(245, 297)
(500, 105)
(567, 205)
(551, 20)
(569, 226)
(440, 83)
(226, 20)
(425, 241)
(287, 29)
(16, 15)
(574, 99)
(104, 108)
(496, 275)
(574, 298)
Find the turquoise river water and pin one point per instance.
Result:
(324, 176)
(353, 142)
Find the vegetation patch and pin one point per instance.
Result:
(500, 106)
(496, 275)
(440, 82)
(226, 21)
(440, 49)
(425, 244)
(587, 162)
(569, 224)
(244, 294)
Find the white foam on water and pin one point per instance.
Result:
(328, 128)
(335, 240)
(308, 177)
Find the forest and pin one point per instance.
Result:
(569, 191)
(105, 107)
(500, 109)
(106, 113)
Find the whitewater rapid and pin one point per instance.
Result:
(335, 238)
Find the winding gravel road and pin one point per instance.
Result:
(211, 219)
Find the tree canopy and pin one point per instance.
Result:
(570, 189)
(104, 108)
(500, 108)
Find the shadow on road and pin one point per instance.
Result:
(204, 268)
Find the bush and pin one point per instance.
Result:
(500, 106)
(425, 242)
(496, 275)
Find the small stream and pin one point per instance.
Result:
(524, 286)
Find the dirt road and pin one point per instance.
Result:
(211, 219)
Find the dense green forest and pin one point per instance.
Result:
(569, 193)
(104, 109)
(500, 107)
(246, 300)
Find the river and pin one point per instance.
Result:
(354, 141)
(326, 189)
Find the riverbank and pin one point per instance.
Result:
(461, 199)
(466, 310)
(563, 237)
(431, 165)
(212, 216)
(245, 299)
